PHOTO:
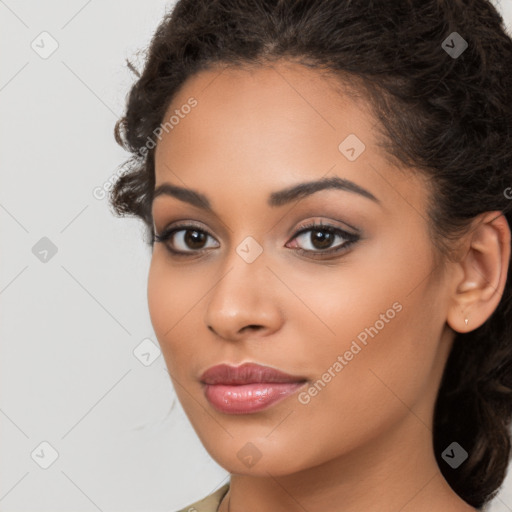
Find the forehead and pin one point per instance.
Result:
(274, 125)
(275, 109)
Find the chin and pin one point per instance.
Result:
(259, 456)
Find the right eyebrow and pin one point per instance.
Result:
(276, 199)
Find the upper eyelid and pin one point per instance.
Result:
(329, 223)
(310, 212)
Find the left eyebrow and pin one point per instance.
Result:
(276, 199)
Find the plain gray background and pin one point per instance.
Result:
(80, 369)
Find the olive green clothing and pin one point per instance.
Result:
(210, 503)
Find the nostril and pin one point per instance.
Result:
(252, 327)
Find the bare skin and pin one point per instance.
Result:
(364, 441)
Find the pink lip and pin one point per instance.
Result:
(247, 388)
(246, 373)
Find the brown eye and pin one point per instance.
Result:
(189, 240)
(184, 239)
(321, 237)
(194, 239)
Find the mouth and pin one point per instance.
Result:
(247, 388)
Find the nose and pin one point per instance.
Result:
(244, 301)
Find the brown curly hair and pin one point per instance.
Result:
(448, 116)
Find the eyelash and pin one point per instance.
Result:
(350, 238)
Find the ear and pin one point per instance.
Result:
(479, 285)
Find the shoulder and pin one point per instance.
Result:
(209, 503)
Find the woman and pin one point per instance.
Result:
(326, 186)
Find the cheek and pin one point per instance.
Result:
(384, 324)
(161, 303)
(170, 293)
(376, 386)
(168, 303)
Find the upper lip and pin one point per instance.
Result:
(245, 374)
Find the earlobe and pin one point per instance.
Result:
(484, 273)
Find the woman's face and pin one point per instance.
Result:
(360, 313)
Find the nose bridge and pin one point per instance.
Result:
(243, 271)
(240, 297)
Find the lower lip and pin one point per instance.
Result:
(248, 398)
